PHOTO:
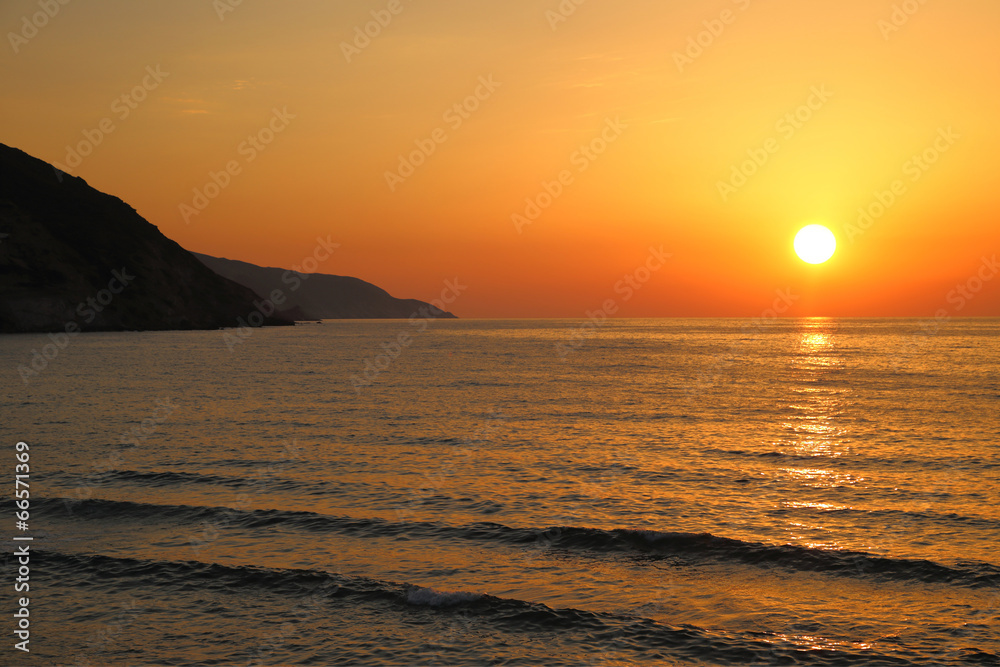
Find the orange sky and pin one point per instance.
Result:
(673, 128)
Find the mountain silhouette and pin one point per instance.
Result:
(75, 259)
(319, 296)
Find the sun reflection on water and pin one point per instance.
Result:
(814, 427)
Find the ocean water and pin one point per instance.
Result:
(647, 492)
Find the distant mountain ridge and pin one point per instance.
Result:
(320, 296)
(75, 259)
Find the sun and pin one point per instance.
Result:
(815, 244)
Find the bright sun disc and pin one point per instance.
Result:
(815, 244)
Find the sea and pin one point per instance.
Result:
(506, 492)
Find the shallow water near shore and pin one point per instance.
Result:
(818, 492)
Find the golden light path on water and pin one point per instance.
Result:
(812, 427)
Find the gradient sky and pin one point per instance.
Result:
(657, 184)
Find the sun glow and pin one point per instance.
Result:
(815, 244)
